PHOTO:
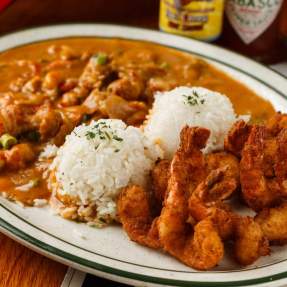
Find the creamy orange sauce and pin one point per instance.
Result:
(180, 69)
(10, 182)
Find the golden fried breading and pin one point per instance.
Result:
(236, 138)
(187, 165)
(188, 162)
(276, 123)
(270, 153)
(258, 192)
(135, 215)
(224, 220)
(208, 195)
(195, 220)
(250, 242)
(281, 162)
(263, 171)
(229, 182)
(204, 249)
(273, 222)
(160, 175)
(221, 182)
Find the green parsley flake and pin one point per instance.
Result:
(90, 135)
(193, 100)
(115, 137)
(103, 132)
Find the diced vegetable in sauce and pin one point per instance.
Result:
(48, 88)
(7, 141)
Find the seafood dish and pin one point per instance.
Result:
(155, 140)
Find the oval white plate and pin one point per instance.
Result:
(108, 252)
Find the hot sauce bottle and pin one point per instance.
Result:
(201, 19)
(252, 27)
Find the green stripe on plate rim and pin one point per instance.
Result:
(90, 264)
(131, 263)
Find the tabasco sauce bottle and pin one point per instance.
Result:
(254, 28)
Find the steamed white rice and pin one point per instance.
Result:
(98, 160)
(195, 106)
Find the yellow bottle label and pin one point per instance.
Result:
(201, 19)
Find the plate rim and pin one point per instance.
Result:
(111, 24)
(14, 232)
(65, 257)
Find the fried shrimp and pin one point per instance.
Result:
(160, 175)
(250, 242)
(207, 195)
(221, 182)
(276, 123)
(191, 192)
(205, 249)
(258, 190)
(202, 249)
(273, 223)
(263, 171)
(208, 201)
(136, 217)
(281, 161)
(228, 165)
(236, 137)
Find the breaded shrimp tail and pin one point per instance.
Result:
(135, 215)
(254, 185)
(202, 249)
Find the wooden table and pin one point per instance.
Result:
(20, 266)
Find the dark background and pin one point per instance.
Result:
(26, 13)
(269, 47)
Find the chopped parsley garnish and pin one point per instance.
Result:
(103, 131)
(193, 100)
(195, 94)
(90, 135)
(115, 137)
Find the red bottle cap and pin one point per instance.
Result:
(4, 4)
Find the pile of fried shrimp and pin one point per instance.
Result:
(187, 212)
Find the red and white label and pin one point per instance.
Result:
(250, 18)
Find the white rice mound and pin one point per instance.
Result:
(98, 160)
(194, 106)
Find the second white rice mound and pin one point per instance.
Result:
(195, 106)
(96, 162)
